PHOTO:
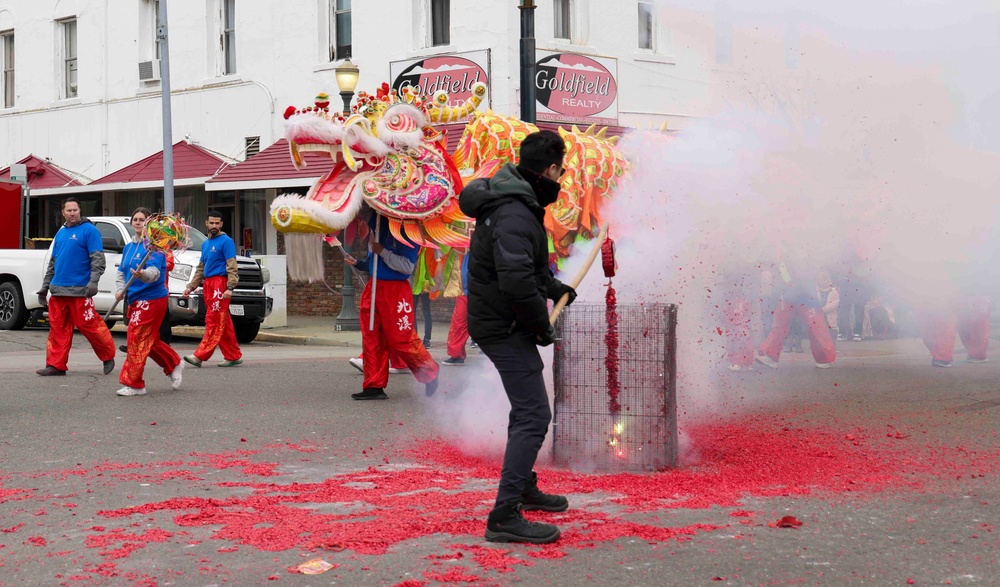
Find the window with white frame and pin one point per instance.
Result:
(69, 64)
(7, 46)
(153, 6)
(228, 37)
(340, 29)
(561, 19)
(440, 22)
(646, 25)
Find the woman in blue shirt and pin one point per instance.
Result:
(147, 304)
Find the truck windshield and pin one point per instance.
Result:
(196, 236)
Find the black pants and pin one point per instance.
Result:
(424, 302)
(520, 367)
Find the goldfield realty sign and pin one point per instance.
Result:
(576, 88)
(454, 73)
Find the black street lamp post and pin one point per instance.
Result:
(348, 319)
(527, 8)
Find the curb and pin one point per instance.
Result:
(198, 332)
(299, 340)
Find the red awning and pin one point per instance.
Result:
(191, 162)
(272, 168)
(42, 174)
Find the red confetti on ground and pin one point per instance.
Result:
(455, 575)
(376, 509)
(411, 583)
(786, 522)
(37, 541)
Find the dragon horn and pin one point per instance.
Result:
(600, 133)
(590, 130)
(440, 112)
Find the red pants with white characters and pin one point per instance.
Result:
(144, 318)
(393, 333)
(739, 332)
(974, 325)
(971, 322)
(219, 331)
(458, 333)
(64, 314)
(822, 346)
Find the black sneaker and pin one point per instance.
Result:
(123, 348)
(50, 371)
(454, 362)
(937, 363)
(506, 524)
(109, 366)
(534, 499)
(370, 393)
(431, 387)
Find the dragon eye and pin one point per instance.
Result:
(401, 124)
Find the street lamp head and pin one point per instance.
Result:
(347, 76)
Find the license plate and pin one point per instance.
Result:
(236, 309)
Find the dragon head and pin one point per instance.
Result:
(386, 154)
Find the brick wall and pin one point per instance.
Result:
(316, 299)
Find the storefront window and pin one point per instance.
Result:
(253, 222)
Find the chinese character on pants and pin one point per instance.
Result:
(404, 323)
(403, 306)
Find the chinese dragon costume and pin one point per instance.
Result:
(388, 155)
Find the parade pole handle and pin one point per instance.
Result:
(129, 282)
(371, 311)
(561, 304)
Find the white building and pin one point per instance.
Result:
(80, 81)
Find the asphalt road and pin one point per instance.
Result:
(245, 473)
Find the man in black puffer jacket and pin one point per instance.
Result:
(509, 281)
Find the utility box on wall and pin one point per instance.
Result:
(276, 288)
(615, 379)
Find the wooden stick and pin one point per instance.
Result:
(561, 304)
(371, 312)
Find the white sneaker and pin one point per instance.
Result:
(822, 365)
(766, 361)
(131, 391)
(735, 368)
(175, 376)
(396, 371)
(358, 364)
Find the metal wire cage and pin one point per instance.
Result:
(596, 429)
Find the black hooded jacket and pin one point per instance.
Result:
(509, 278)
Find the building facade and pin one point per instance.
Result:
(81, 81)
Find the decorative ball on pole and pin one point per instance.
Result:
(348, 319)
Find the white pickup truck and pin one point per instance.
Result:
(22, 271)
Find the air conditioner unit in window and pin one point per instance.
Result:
(149, 71)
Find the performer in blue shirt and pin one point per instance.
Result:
(218, 275)
(147, 304)
(75, 267)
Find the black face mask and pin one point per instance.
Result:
(546, 190)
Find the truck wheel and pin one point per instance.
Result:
(246, 331)
(13, 314)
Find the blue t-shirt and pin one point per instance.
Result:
(215, 252)
(71, 249)
(389, 243)
(465, 273)
(139, 290)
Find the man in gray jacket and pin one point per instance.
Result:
(75, 267)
